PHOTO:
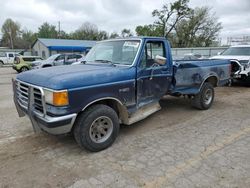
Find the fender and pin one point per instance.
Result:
(209, 76)
(123, 112)
(102, 99)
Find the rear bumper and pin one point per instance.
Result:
(52, 125)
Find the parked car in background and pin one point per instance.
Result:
(7, 58)
(23, 63)
(189, 56)
(240, 58)
(56, 60)
(80, 61)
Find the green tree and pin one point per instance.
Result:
(170, 15)
(200, 28)
(126, 33)
(47, 31)
(11, 33)
(28, 38)
(63, 35)
(148, 30)
(87, 31)
(113, 35)
(102, 35)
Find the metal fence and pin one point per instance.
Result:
(204, 51)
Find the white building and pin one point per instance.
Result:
(46, 47)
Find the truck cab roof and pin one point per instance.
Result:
(135, 38)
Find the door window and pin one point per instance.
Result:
(11, 55)
(29, 59)
(60, 57)
(151, 51)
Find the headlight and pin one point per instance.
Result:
(56, 98)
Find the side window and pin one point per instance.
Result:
(70, 56)
(60, 57)
(151, 51)
(11, 55)
(78, 56)
(29, 59)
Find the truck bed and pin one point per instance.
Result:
(190, 74)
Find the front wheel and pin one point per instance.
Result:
(1, 64)
(23, 69)
(205, 98)
(97, 128)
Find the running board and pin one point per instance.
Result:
(144, 112)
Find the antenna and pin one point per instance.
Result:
(59, 29)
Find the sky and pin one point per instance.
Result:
(114, 15)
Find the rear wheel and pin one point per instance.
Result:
(97, 128)
(23, 69)
(205, 98)
(1, 64)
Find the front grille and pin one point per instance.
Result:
(38, 104)
(22, 94)
(26, 93)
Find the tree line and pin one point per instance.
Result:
(180, 24)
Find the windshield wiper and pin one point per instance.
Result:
(105, 61)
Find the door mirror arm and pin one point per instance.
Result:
(152, 71)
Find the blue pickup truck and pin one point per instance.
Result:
(120, 82)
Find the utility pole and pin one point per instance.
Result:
(59, 29)
(11, 40)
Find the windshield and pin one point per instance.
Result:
(243, 51)
(53, 57)
(117, 52)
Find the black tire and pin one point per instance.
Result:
(205, 98)
(86, 121)
(46, 66)
(23, 69)
(1, 64)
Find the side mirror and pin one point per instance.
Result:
(219, 53)
(160, 60)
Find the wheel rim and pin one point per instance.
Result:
(101, 129)
(24, 69)
(208, 96)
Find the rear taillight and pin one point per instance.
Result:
(17, 60)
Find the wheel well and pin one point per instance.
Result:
(212, 80)
(47, 66)
(116, 106)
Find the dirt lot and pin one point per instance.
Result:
(176, 147)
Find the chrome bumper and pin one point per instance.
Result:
(52, 125)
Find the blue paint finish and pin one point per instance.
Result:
(77, 76)
(68, 48)
(133, 85)
(190, 75)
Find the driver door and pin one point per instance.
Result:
(153, 79)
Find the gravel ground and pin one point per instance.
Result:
(176, 147)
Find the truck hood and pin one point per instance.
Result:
(77, 76)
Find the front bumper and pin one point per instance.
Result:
(14, 67)
(52, 125)
(36, 67)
